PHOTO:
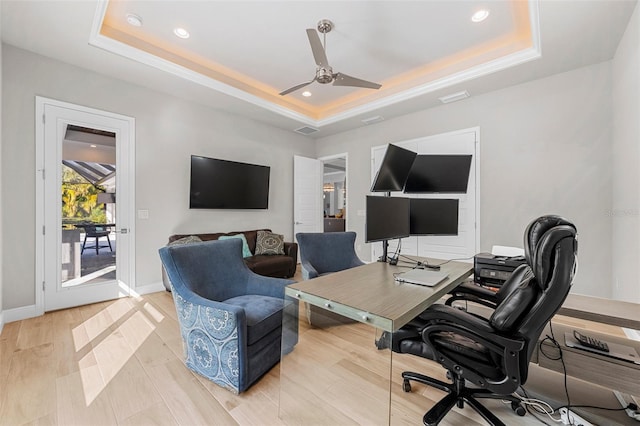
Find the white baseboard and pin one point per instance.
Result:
(25, 312)
(149, 288)
(21, 313)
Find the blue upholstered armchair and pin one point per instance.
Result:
(230, 318)
(323, 253)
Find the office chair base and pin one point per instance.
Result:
(457, 395)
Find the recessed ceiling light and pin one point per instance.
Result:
(480, 15)
(181, 32)
(93, 146)
(306, 93)
(134, 20)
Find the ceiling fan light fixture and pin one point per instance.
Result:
(480, 15)
(181, 32)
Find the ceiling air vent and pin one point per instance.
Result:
(454, 97)
(306, 130)
(372, 120)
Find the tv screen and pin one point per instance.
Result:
(432, 216)
(222, 184)
(439, 173)
(394, 169)
(387, 218)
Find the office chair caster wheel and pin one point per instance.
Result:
(406, 386)
(518, 409)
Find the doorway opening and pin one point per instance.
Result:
(334, 193)
(84, 245)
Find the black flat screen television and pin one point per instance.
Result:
(439, 173)
(222, 184)
(434, 216)
(393, 171)
(387, 218)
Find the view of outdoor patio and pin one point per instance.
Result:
(88, 216)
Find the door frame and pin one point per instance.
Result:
(128, 283)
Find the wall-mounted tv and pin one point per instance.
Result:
(394, 169)
(222, 184)
(387, 218)
(434, 216)
(439, 173)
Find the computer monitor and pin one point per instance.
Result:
(439, 173)
(394, 169)
(387, 218)
(433, 216)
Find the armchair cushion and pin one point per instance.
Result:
(263, 314)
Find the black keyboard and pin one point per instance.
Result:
(590, 342)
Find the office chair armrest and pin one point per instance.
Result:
(473, 293)
(472, 326)
(308, 271)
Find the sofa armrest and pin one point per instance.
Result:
(291, 250)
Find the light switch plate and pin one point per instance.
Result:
(143, 214)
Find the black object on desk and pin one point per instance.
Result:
(492, 271)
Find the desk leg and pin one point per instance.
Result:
(333, 375)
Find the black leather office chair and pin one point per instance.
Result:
(492, 354)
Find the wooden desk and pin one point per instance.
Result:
(369, 293)
(599, 369)
(322, 382)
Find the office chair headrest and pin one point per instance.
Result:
(536, 230)
(542, 238)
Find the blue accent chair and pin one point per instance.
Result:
(322, 253)
(230, 318)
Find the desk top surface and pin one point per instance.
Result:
(371, 289)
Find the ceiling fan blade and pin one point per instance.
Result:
(341, 79)
(294, 88)
(317, 49)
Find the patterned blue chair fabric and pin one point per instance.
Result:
(230, 318)
(325, 252)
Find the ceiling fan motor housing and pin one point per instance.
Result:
(324, 75)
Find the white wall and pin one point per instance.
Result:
(1, 148)
(626, 163)
(545, 148)
(168, 131)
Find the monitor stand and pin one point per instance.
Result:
(385, 243)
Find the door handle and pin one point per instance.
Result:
(297, 223)
(121, 231)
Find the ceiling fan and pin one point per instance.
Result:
(324, 72)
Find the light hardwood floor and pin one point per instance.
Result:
(120, 363)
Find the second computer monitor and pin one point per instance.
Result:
(433, 216)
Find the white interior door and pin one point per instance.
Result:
(307, 198)
(466, 243)
(73, 271)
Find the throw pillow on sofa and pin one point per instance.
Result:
(269, 243)
(185, 240)
(245, 246)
